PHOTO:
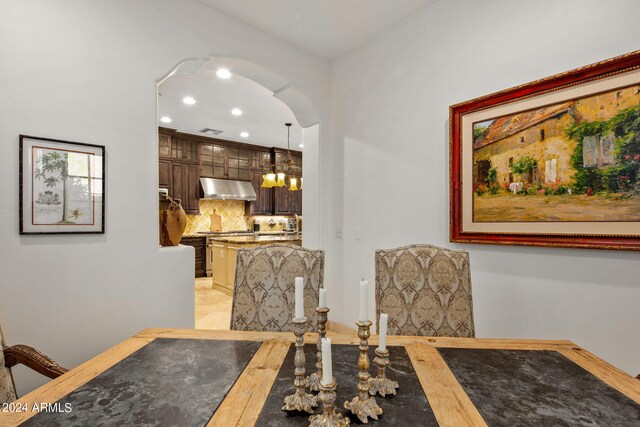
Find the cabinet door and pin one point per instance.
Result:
(193, 187)
(219, 264)
(164, 146)
(263, 202)
(232, 257)
(164, 173)
(184, 150)
(178, 176)
(185, 184)
(200, 259)
(206, 160)
(281, 201)
(295, 199)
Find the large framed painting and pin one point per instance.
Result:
(554, 162)
(62, 187)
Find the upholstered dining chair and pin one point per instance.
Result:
(28, 356)
(425, 290)
(263, 297)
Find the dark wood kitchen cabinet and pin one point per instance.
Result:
(213, 160)
(184, 158)
(287, 202)
(184, 151)
(199, 243)
(185, 186)
(263, 203)
(164, 172)
(260, 164)
(219, 161)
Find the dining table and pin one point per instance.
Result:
(185, 377)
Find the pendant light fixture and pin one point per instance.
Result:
(283, 171)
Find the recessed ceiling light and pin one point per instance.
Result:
(223, 73)
(244, 134)
(165, 119)
(188, 100)
(301, 145)
(236, 112)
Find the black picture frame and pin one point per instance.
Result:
(94, 184)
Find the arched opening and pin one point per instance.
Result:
(207, 143)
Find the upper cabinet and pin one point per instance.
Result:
(213, 160)
(184, 158)
(287, 202)
(260, 164)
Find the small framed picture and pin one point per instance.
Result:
(62, 187)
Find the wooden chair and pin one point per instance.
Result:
(425, 290)
(28, 356)
(263, 297)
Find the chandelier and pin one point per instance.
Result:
(283, 172)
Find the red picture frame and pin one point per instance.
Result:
(464, 226)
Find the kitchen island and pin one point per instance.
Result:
(224, 253)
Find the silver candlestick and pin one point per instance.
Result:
(363, 406)
(329, 416)
(314, 380)
(300, 400)
(381, 384)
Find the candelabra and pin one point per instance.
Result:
(300, 400)
(329, 417)
(381, 384)
(314, 380)
(363, 406)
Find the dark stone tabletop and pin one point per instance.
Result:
(168, 382)
(537, 388)
(408, 408)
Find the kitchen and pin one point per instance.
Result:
(237, 193)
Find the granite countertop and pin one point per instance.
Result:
(257, 239)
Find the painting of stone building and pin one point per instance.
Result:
(577, 160)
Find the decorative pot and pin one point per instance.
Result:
(173, 221)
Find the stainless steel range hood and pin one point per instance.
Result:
(225, 189)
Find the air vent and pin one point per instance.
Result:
(211, 131)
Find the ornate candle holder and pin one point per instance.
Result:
(381, 384)
(300, 400)
(329, 417)
(363, 406)
(314, 380)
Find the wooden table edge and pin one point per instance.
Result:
(603, 370)
(338, 338)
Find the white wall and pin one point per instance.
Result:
(87, 71)
(390, 114)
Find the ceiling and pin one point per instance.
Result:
(263, 115)
(326, 28)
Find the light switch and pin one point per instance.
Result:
(358, 234)
(339, 233)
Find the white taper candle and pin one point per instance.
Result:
(364, 301)
(323, 298)
(384, 319)
(299, 297)
(327, 366)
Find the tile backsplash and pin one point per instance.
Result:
(233, 217)
(231, 211)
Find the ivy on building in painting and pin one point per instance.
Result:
(623, 174)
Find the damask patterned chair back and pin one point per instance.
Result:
(7, 388)
(263, 298)
(425, 290)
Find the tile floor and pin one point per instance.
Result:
(213, 308)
